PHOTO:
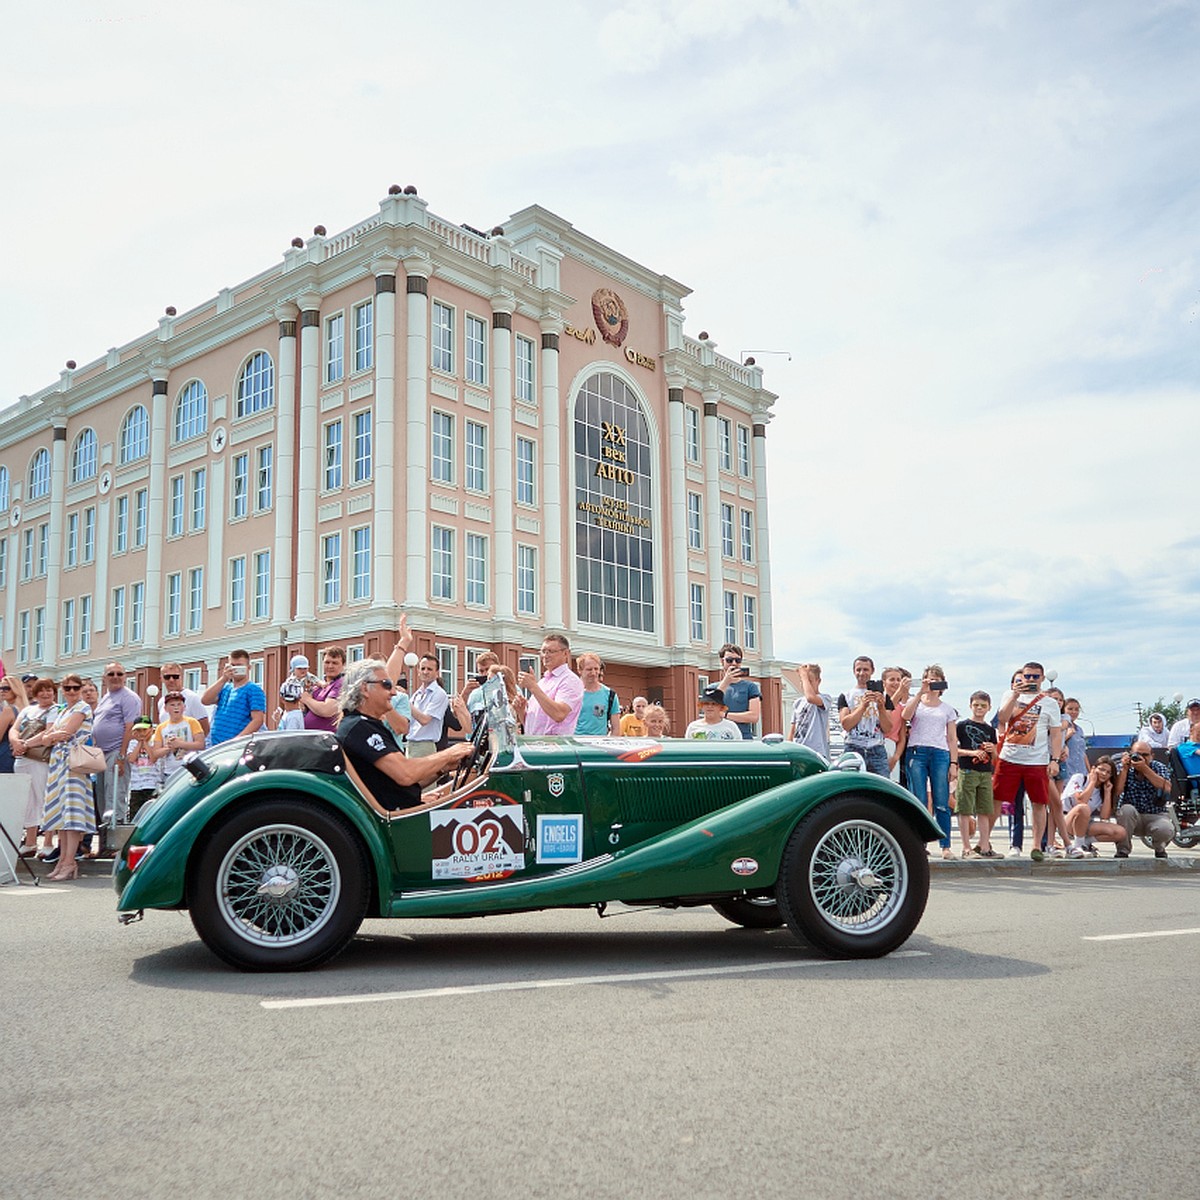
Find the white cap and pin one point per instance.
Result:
(299, 662)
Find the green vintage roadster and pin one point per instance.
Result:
(278, 852)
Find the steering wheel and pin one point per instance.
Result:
(479, 737)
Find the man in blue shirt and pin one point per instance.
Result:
(241, 703)
(743, 697)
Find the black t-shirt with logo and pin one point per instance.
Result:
(365, 741)
(972, 735)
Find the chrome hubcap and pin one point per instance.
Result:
(857, 877)
(278, 885)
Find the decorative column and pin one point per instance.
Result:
(156, 526)
(58, 489)
(309, 461)
(416, 571)
(676, 573)
(553, 588)
(762, 537)
(505, 553)
(383, 534)
(285, 458)
(712, 502)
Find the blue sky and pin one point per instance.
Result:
(972, 227)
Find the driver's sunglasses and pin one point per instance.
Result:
(386, 684)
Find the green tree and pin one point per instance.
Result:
(1172, 710)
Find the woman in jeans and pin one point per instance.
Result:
(932, 750)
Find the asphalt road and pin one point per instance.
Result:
(1002, 1053)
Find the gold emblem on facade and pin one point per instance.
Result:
(612, 317)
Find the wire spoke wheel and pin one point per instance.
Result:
(857, 877)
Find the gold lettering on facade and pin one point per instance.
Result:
(642, 360)
(584, 335)
(612, 471)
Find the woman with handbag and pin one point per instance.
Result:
(33, 761)
(12, 700)
(69, 806)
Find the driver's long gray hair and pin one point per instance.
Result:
(355, 688)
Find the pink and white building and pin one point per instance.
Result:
(499, 435)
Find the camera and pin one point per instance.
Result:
(874, 685)
(938, 685)
(481, 679)
(1135, 758)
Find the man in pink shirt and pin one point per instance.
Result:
(556, 698)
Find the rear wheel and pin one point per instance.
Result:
(279, 886)
(750, 912)
(854, 879)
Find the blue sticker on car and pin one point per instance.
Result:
(560, 838)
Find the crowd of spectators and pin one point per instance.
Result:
(973, 767)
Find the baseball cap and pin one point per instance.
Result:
(1193, 703)
(712, 695)
(299, 662)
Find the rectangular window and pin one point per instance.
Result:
(526, 491)
(442, 576)
(39, 634)
(442, 464)
(237, 590)
(175, 510)
(262, 585)
(476, 569)
(743, 436)
(137, 612)
(72, 539)
(696, 611)
(476, 457)
(192, 679)
(447, 657)
(333, 456)
(68, 627)
(691, 433)
(199, 499)
(27, 553)
(195, 599)
(121, 532)
(750, 623)
(85, 624)
(727, 530)
(360, 549)
(262, 492)
(335, 347)
(695, 523)
(361, 425)
(525, 376)
(476, 333)
(443, 337)
(364, 336)
(89, 535)
(240, 499)
(23, 637)
(356, 652)
(3, 565)
(747, 536)
(331, 569)
(731, 616)
(526, 580)
(726, 445)
(174, 604)
(141, 517)
(116, 632)
(43, 557)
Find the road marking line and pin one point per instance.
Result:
(578, 981)
(27, 889)
(1125, 937)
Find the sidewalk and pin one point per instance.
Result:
(1141, 860)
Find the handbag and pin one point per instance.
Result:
(86, 760)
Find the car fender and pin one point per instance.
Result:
(160, 880)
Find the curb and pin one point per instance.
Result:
(945, 870)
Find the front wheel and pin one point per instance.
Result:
(854, 879)
(750, 912)
(279, 886)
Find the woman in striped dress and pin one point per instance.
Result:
(69, 807)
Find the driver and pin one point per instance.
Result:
(393, 779)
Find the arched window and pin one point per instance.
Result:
(4, 489)
(39, 475)
(135, 435)
(84, 455)
(614, 513)
(191, 411)
(256, 385)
